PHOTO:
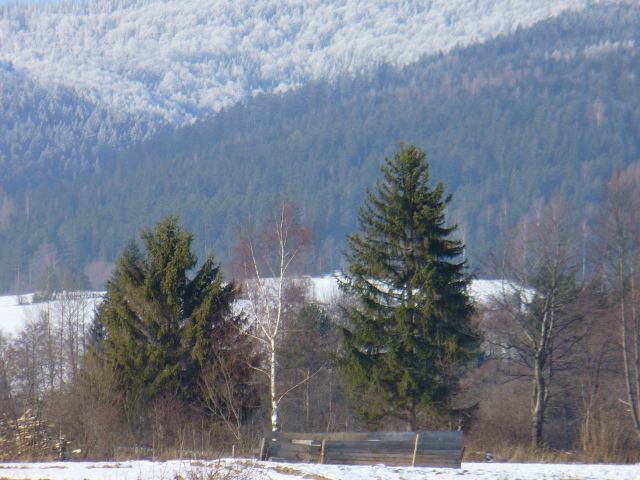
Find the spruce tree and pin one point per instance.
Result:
(409, 333)
(159, 324)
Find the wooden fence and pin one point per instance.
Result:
(420, 449)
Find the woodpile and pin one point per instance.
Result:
(29, 437)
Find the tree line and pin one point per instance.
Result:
(180, 358)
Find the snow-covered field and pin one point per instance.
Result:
(16, 311)
(13, 314)
(181, 59)
(248, 469)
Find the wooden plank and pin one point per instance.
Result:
(368, 460)
(382, 446)
(415, 450)
(263, 451)
(439, 464)
(441, 440)
(293, 454)
(392, 460)
(389, 446)
(294, 447)
(349, 453)
(342, 436)
(438, 453)
(368, 452)
(426, 436)
(294, 451)
(359, 460)
(295, 457)
(322, 450)
(346, 456)
(451, 459)
(436, 460)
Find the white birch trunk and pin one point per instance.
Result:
(275, 403)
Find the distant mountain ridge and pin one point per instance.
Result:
(552, 108)
(181, 60)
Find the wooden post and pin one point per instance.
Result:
(322, 445)
(233, 451)
(263, 450)
(415, 449)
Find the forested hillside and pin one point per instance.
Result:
(506, 123)
(183, 61)
(52, 133)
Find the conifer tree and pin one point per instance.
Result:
(159, 324)
(409, 333)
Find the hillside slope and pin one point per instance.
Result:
(551, 108)
(47, 133)
(182, 59)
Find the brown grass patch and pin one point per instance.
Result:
(294, 471)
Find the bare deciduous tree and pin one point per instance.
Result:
(44, 358)
(226, 384)
(267, 257)
(538, 320)
(621, 254)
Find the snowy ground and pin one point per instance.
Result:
(248, 469)
(13, 314)
(16, 311)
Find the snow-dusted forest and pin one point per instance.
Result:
(159, 57)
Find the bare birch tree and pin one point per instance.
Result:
(72, 312)
(266, 258)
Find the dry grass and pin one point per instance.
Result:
(608, 453)
(293, 471)
(219, 471)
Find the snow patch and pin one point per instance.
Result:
(15, 311)
(146, 470)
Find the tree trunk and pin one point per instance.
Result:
(538, 404)
(632, 387)
(275, 404)
(412, 420)
(307, 402)
(636, 350)
(539, 395)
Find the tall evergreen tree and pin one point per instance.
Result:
(159, 323)
(409, 333)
